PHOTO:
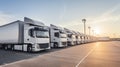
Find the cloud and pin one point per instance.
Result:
(6, 18)
(106, 17)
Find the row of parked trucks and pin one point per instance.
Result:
(31, 36)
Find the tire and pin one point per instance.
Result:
(5, 47)
(12, 47)
(29, 48)
(55, 45)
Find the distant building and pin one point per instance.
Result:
(115, 39)
(103, 38)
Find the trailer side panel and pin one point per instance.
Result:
(9, 33)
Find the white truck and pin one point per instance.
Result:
(82, 36)
(69, 36)
(58, 37)
(74, 39)
(71, 39)
(28, 35)
(78, 42)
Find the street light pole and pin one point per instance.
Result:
(89, 29)
(84, 21)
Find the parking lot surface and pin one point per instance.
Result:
(97, 54)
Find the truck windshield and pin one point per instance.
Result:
(42, 34)
(69, 35)
(63, 35)
(73, 36)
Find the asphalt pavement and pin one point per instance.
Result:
(97, 54)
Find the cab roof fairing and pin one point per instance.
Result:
(68, 31)
(33, 22)
(57, 27)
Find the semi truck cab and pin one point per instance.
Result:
(78, 38)
(37, 35)
(71, 38)
(28, 35)
(58, 36)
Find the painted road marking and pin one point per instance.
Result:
(86, 56)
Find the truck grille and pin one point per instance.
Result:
(46, 45)
(64, 43)
(74, 42)
(69, 42)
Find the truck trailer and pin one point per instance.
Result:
(28, 35)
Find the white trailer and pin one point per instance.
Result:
(58, 37)
(27, 35)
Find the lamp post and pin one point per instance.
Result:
(84, 21)
(89, 29)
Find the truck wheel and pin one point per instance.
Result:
(55, 45)
(29, 48)
(12, 47)
(6, 47)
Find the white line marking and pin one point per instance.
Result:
(85, 56)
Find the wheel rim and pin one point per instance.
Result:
(29, 48)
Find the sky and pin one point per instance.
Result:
(103, 16)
